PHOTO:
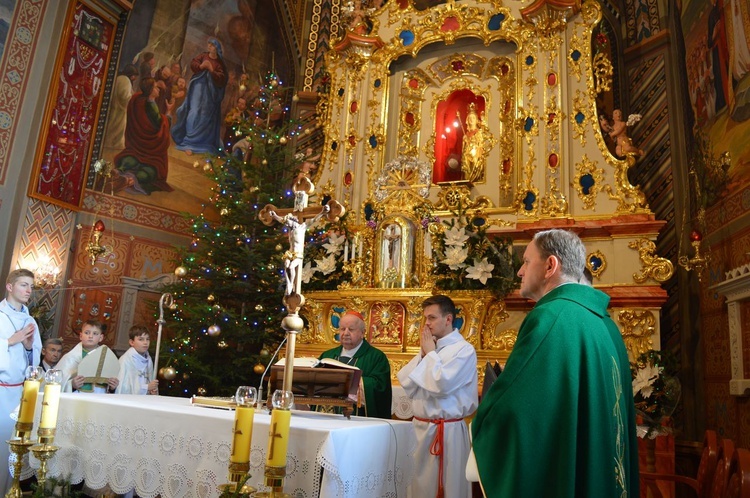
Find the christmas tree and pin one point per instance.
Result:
(228, 299)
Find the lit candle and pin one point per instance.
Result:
(28, 401)
(278, 438)
(243, 432)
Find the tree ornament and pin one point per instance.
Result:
(196, 164)
(224, 211)
(278, 247)
(282, 140)
(264, 162)
(211, 298)
(168, 373)
(271, 266)
(258, 369)
(264, 352)
(270, 141)
(273, 83)
(201, 391)
(207, 167)
(222, 344)
(258, 307)
(295, 98)
(180, 271)
(216, 307)
(214, 330)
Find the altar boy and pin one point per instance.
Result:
(91, 336)
(136, 365)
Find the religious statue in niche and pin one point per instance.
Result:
(462, 139)
(395, 252)
(472, 147)
(618, 132)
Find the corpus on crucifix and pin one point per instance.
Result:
(298, 221)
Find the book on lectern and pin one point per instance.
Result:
(328, 363)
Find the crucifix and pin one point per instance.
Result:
(297, 222)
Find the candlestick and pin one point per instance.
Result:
(278, 441)
(50, 404)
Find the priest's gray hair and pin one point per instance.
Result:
(567, 247)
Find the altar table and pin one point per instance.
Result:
(165, 446)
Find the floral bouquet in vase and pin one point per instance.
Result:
(466, 258)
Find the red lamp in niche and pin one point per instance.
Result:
(94, 248)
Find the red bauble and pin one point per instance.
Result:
(696, 236)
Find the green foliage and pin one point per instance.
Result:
(55, 488)
(468, 258)
(234, 267)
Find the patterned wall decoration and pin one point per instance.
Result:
(123, 209)
(724, 412)
(648, 91)
(47, 231)
(14, 69)
(96, 290)
(642, 20)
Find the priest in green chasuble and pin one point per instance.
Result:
(376, 371)
(560, 420)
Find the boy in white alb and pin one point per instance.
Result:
(91, 336)
(136, 365)
(20, 346)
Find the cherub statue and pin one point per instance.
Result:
(618, 131)
(293, 257)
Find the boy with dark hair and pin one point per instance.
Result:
(136, 365)
(91, 336)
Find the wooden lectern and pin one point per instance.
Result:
(320, 386)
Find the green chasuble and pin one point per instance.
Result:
(560, 420)
(376, 376)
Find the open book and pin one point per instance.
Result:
(321, 385)
(314, 362)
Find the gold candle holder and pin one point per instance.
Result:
(21, 441)
(19, 447)
(278, 440)
(43, 452)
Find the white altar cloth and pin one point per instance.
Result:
(165, 446)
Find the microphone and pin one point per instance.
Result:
(260, 387)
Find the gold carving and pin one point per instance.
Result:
(501, 341)
(660, 269)
(637, 328)
(588, 194)
(629, 198)
(313, 334)
(597, 270)
(602, 73)
(386, 322)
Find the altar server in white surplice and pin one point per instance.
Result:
(136, 365)
(92, 334)
(442, 383)
(20, 346)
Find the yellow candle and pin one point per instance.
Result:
(28, 401)
(278, 438)
(243, 433)
(49, 406)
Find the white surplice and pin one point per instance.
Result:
(136, 371)
(69, 366)
(442, 385)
